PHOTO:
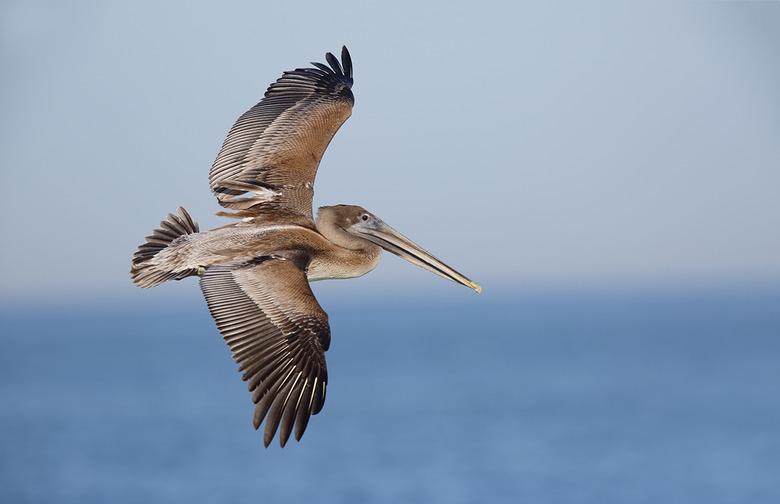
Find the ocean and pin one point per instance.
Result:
(659, 397)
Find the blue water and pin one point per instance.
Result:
(670, 398)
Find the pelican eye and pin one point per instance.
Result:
(364, 217)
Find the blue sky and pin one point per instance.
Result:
(526, 144)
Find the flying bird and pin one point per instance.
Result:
(255, 272)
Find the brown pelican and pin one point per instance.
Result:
(255, 273)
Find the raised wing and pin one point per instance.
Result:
(278, 334)
(270, 156)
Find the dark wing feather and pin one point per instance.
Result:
(270, 156)
(278, 334)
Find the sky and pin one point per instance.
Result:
(528, 145)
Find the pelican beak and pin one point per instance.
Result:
(377, 231)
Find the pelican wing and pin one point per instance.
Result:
(278, 334)
(270, 156)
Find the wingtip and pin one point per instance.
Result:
(334, 63)
(343, 68)
(346, 61)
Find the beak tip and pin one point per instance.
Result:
(477, 288)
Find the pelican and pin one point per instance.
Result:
(255, 273)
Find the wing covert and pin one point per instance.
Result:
(278, 335)
(270, 157)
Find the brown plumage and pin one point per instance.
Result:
(255, 273)
(277, 144)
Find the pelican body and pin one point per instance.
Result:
(255, 273)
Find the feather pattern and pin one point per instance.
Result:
(145, 272)
(278, 334)
(270, 157)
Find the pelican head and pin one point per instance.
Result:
(350, 226)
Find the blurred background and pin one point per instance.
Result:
(608, 172)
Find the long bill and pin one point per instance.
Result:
(393, 241)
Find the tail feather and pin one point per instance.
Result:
(146, 272)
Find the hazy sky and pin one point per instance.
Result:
(524, 144)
